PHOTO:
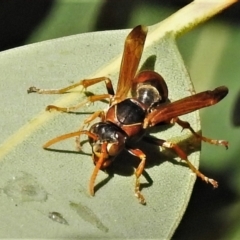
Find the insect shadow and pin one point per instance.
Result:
(125, 164)
(149, 63)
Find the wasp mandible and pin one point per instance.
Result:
(127, 118)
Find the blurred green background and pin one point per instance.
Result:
(212, 55)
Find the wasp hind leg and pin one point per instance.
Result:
(85, 83)
(182, 155)
(186, 125)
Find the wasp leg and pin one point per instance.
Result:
(186, 125)
(138, 172)
(91, 99)
(182, 155)
(100, 114)
(85, 83)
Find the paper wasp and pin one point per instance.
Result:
(127, 118)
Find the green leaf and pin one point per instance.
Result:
(41, 182)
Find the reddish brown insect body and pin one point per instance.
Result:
(126, 119)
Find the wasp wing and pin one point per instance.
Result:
(185, 105)
(132, 53)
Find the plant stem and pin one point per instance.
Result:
(191, 15)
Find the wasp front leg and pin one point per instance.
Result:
(182, 155)
(85, 83)
(97, 114)
(138, 172)
(186, 125)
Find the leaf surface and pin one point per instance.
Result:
(63, 176)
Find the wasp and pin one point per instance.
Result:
(127, 118)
